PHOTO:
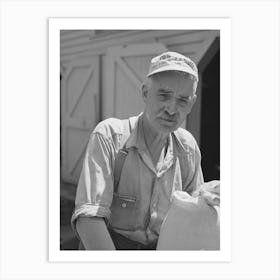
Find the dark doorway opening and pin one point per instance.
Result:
(210, 120)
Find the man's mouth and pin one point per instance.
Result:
(169, 120)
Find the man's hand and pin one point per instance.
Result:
(210, 191)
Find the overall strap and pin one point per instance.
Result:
(121, 155)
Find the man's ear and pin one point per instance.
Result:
(145, 91)
(192, 103)
(194, 99)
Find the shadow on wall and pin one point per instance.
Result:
(68, 240)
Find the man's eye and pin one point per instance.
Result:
(183, 102)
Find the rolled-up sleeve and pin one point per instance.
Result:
(95, 188)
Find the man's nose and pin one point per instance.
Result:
(171, 107)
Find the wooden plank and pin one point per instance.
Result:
(190, 45)
(120, 39)
(81, 91)
(63, 127)
(70, 35)
(118, 34)
(82, 124)
(66, 31)
(140, 49)
(205, 45)
(195, 36)
(96, 51)
(90, 73)
(91, 36)
(108, 97)
(81, 154)
(97, 42)
(185, 49)
(129, 73)
(79, 41)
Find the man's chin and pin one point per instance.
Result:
(167, 127)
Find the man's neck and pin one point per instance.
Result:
(155, 140)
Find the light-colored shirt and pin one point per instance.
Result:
(144, 193)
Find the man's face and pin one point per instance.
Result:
(168, 98)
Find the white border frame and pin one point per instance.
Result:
(55, 254)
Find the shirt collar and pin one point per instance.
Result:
(136, 138)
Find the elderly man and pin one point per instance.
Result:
(132, 167)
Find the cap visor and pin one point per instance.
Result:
(174, 68)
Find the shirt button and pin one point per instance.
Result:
(154, 205)
(123, 205)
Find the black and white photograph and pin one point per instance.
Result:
(140, 139)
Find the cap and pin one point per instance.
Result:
(172, 61)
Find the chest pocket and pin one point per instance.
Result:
(123, 212)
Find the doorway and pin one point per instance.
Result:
(210, 119)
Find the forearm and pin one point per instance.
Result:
(94, 234)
